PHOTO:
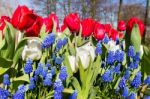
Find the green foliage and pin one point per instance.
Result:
(145, 63)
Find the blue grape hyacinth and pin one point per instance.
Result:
(6, 80)
(58, 88)
(137, 57)
(137, 80)
(53, 70)
(147, 80)
(48, 65)
(127, 74)
(39, 69)
(20, 94)
(117, 68)
(74, 95)
(59, 44)
(110, 58)
(98, 50)
(63, 73)
(125, 92)
(58, 60)
(131, 51)
(48, 41)
(65, 41)
(44, 72)
(47, 81)
(106, 39)
(32, 84)
(119, 56)
(107, 76)
(122, 83)
(4, 94)
(132, 96)
(28, 66)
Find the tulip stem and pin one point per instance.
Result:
(75, 46)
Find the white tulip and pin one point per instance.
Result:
(112, 46)
(73, 64)
(32, 50)
(89, 48)
(84, 53)
(84, 56)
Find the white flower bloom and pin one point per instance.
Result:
(112, 46)
(89, 48)
(73, 63)
(84, 56)
(32, 50)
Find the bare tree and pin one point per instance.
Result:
(146, 19)
(119, 9)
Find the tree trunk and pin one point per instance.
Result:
(93, 9)
(119, 9)
(145, 19)
(69, 6)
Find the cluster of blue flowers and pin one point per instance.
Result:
(61, 43)
(28, 66)
(48, 41)
(113, 66)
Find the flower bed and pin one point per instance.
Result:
(84, 59)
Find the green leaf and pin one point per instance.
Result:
(145, 63)
(19, 50)
(83, 75)
(76, 84)
(3, 70)
(7, 50)
(25, 78)
(43, 32)
(66, 32)
(135, 38)
(5, 63)
(67, 64)
(117, 83)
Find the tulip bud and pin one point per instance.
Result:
(114, 34)
(32, 50)
(72, 21)
(134, 21)
(3, 24)
(48, 21)
(99, 31)
(121, 26)
(87, 27)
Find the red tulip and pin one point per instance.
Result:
(48, 21)
(114, 34)
(72, 21)
(2, 22)
(87, 27)
(63, 27)
(99, 31)
(34, 30)
(133, 21)
(23, 18)
(121, 35)
(121, 26)
(141, 27)
(107, 28)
